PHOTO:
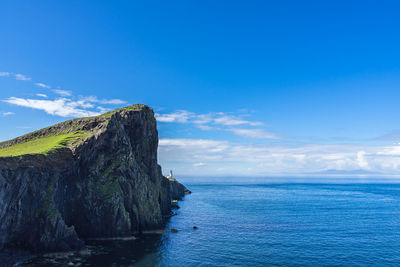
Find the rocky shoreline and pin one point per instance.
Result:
(105, 185)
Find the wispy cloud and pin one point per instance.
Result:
(390, 136)
(205, 127)
(218, 118)
(62, 92)
(202, 118)
(233, 121)
(195, 144)
(4, 74)
(43, 85)
(61, 107)
(21, 77)
(218, 121)
(199, 164)
(8, 113)
(112, 102)
(42, 95)
(253, 133)
(103, 109)
(65, 105)
(180, 116)
(94, 99)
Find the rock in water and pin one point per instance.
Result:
(84, 178)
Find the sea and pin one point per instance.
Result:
(266, 222)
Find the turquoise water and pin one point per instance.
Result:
(273, 224)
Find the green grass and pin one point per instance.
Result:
(136, 107)
(57, 136)
(42, 145)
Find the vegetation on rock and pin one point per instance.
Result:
(95, 177)
(59, 136)
(42, 145)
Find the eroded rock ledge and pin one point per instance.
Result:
(105, 184)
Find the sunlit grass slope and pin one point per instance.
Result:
(60, 135)
(42, 145)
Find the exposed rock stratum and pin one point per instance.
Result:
(103, 180)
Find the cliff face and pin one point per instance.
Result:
(106, 183)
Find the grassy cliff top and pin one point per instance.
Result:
(42, 145)
(61, 135)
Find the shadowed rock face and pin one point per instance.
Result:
(108, 185)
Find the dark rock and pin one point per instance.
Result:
(177, 189)
(9, 257)
(108, 185)
(195, 227)
(173, 230)
(172, 214)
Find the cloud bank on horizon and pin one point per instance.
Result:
(219, 158)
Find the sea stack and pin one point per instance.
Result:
(92, 177)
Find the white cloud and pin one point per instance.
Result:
(253, 133)
(217, 121)
(362, 161)
(43, 85)
(226, 158)
(390, 150)
(112, 101)
(4, 74)
(219, 118)
(192, 148)
(232, 121)
(203, 118)
(62, 92)
(5, 114)
(102, 109)
(82, 103)
(181, 116)
(205, 127)
(94, 99)
(61, 107)
(21, 77)
(195, 143)
(200, 164)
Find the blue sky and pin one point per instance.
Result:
(239, 87)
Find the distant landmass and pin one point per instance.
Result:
(344, 173)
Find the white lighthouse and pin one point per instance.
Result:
(170, 174)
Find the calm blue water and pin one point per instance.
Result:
(287, 224)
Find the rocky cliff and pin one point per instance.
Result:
(94, 177)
